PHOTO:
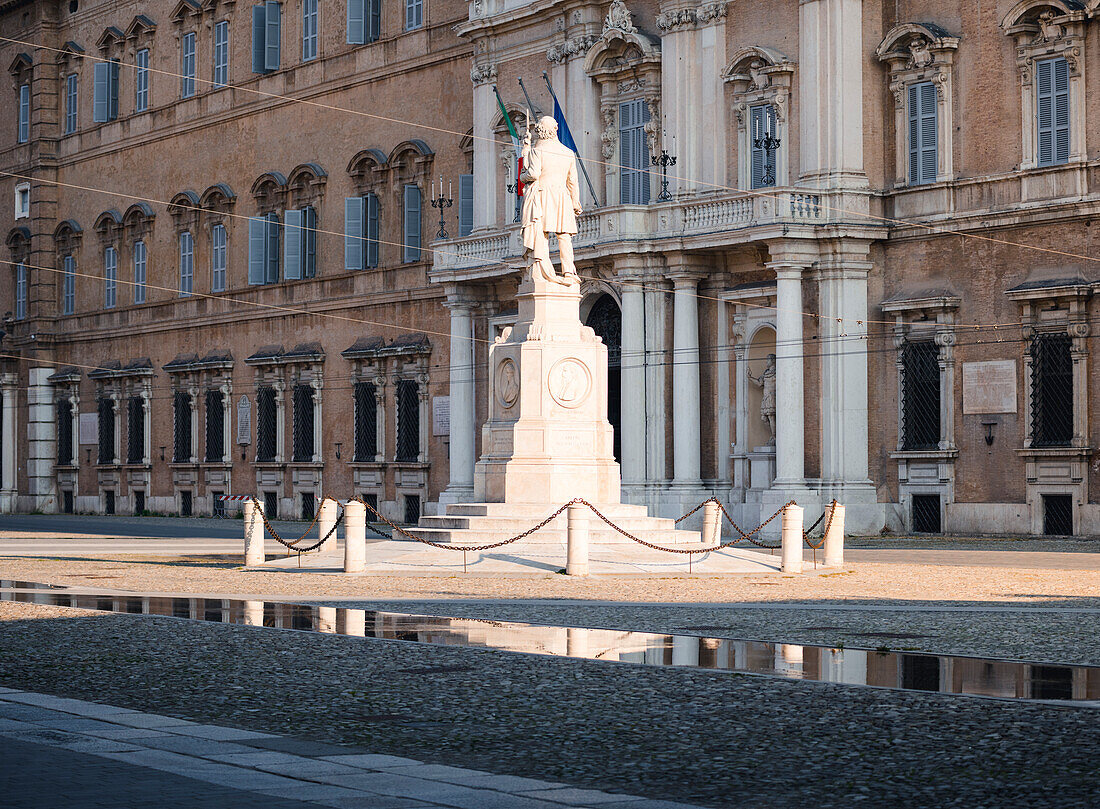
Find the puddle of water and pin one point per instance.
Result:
(949, 674)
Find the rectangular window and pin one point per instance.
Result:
(309, 30)
(271, 248)
(20, 291)
(412, 223)
(300, 247)
(221, 53)
(303, 423)
(105, 91)
(70, 103)
(1052, 89)
(265, 425)
(763, 124)
(64, 432)
(366, 422)
(181, 409)
(187, 65)
(1051, 391)
(217, 258)
(408, 421)
(139, 272)
(360, 232)
(187, 264)
(135, 430)
(465, 204)
(68, 286)
(923, 151)
(364, 21)
(266, 36)
(24, 113)
(920, 395)
(215, 426)
(23, 201)
(309, 242)
(633, 153)
(141, 80)
(414, 14)
(110, 278)
(106, 412)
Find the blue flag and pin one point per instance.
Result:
(564, 135)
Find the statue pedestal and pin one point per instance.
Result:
(547, 438)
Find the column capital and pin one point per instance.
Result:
(794, 253)
(9, 380)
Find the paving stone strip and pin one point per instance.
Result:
(241, 760)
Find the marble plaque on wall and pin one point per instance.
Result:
(441, 415)
(989, 387)
(89, 428)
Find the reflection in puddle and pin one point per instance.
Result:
(918, 672)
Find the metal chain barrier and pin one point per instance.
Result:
(828, 525)
(293, 543)
(750, 534)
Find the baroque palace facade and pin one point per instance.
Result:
(866, 276)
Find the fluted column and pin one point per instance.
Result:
(8, 488)
(685, 380)
(461, 448)
(789, 395)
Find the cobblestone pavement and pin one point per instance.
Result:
(86, 755)
(709, 738)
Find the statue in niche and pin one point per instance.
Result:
(551, 203)
(766, 383)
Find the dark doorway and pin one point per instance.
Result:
(308, 505)
(606, 319)
(139, 501)
(67, 496)
(926, 514)
(185, 504)
(1057, 514)
(109, 502)
(271, 505)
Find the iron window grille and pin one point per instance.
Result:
(1057, 514)
(366, 422)
(106, 408)
(408, 421)
(920, 395)
(215, 426)
(181, 403)
(926, 513)
(135, 430)
(1051, 391)
(303, 423)
(64, 432)
(265, 425)
(412, 508)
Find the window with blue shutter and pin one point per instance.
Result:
(292, 245)
(20, 291)
(309, 30)
(139, 272)
(105, 92)
(763, 123)
(68, 286)
(372, 231)
(355, 213)
(1052, 113)
(271, 249)
(923, 135)
(221, 53)
(112, 89)
(633, 153)
(110, 278)
(187, 264)
(217, 258)
(266, 33)
(309, 242)
(465, 204)
(414, 14)
(257, 244)
(357, 22)
(70, 103)
(374, 20)
(187, 65)
(412, 224)
(24, 113)
(141, 80)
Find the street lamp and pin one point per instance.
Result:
(664, 160)
(442, 203)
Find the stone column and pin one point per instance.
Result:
(8, 482)
(42, 441)
(789, 403)
(685, 380)
(655, 358)
(632, 376)
(460, 487)
(486, 164)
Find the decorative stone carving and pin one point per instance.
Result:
(571, 47)
(619, 18)
(610, 135)
(1049, 30)
(569, 382)
(480, 74)
(507, 382)
(669, 21)
(919, 54)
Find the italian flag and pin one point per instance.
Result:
(517, 144)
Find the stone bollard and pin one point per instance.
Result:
(577, 538)
(792, 539)
(326, 519)
(712, 528)
(326, 620)
(355, 537)
(254, 613)
(253, 533)
(834, 538)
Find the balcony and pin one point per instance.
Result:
(689, 223)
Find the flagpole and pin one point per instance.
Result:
(584, 171)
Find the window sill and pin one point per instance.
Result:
(269, 464)
(306, 464)
(925, 454)
(225, 464)
(182, 464)
(1054, 452)
(410, 464)
(367, 464)
(137, 465)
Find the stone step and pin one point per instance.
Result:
(537, 510)
(557, 536)
(514, 525)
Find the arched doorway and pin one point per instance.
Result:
(606, 320)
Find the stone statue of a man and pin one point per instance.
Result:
(766, 382)
(551, 202)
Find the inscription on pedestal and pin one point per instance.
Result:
(989, 387)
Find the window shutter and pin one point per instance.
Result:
(259, 29)
(309, 242)
(642, 149)
(272, 35)
(1045, 110)
(100, 92)
(112, 94)
(374, 20)
(292, 246)
(1061, 110)
(24, 113)
(757, 128)
(627, 159)
(257, 241)
(914, 134)
(412, 223)
(929, 151)
(271, 249)
(357, 12)
(465, 204)
(354, 216)
(372, 230)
